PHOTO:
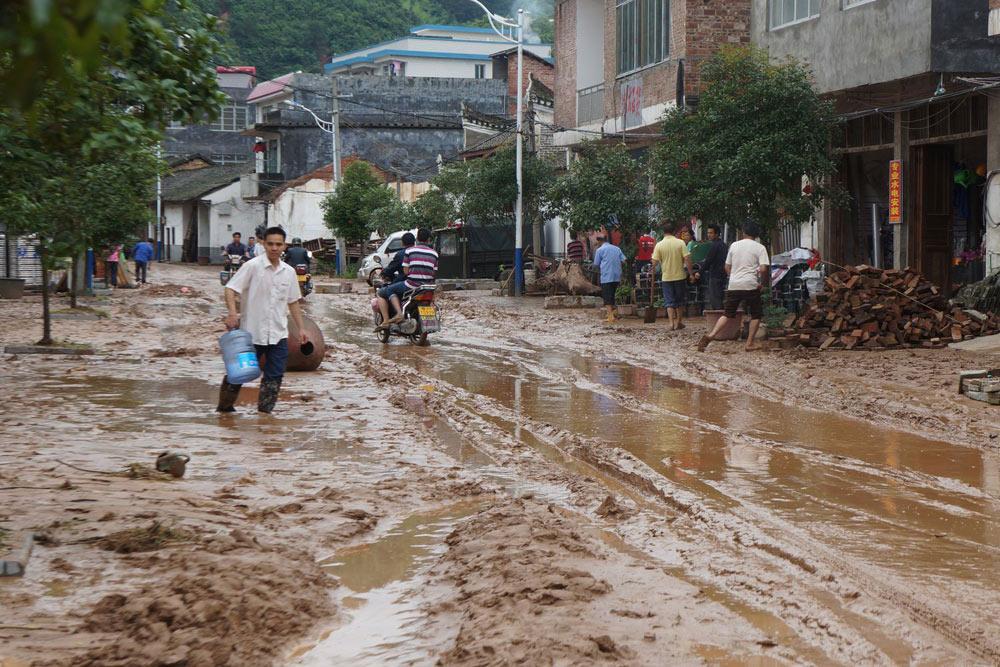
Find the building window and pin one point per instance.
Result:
(785, 12)
(271, 157)
(175, 125)
(854, 3)
(232, 118)
(642, 32)
(480, 71)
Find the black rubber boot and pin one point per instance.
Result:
(268, 395)
(228, 394)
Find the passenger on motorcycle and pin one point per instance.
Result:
(420, 263)
(393, 272)
(296, 254)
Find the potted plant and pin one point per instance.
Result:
(623, 295)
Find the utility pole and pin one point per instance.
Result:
(337, 176)
(519, 206)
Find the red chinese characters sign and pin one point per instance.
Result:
(895, 192)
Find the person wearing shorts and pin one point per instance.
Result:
(746, 263)
(609, 258)
(671, 254)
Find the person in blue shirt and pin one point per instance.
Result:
(393, 272)
(609, 258)
(142, 255)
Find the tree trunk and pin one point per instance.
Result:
(46, 318)
(73, 286)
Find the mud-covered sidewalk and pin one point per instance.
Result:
(533, 487)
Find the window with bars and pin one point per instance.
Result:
(642, 33)
(271, 157)
(480, 71)
(785, 12)
(232, 118)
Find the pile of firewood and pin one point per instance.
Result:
(867, 308)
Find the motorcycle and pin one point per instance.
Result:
(420, 316)
(230, 265)
(305, 279)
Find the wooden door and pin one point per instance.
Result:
(932, 198)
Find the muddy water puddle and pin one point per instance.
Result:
(384, 589)
(924, 511)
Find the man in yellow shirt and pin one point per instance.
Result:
(671, 255)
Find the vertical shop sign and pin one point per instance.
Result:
(895, 192)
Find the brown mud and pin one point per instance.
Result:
(562, 492)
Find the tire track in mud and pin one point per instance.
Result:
(775, 591)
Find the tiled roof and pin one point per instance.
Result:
(271, 87)
(188, 184)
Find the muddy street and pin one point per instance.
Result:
(532, 487)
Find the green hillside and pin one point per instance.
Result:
(280, 36)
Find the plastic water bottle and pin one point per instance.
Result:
(239, 355)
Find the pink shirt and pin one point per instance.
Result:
(113, 255)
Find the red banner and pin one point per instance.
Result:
(895, 192)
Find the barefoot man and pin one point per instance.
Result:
(747, 264)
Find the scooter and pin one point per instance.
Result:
(420, 316)
(230, 265)
(305, 279)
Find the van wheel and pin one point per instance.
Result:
(371, 277)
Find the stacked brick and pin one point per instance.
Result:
(872, 309)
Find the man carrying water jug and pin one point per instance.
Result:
(268, 291)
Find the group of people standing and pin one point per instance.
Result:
(142, 254)
(733, 275)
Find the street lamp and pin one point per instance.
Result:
(331, 127)
(498, 23)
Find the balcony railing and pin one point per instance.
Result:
(590, 105)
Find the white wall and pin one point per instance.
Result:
(590, 35)
(297, 210)
(444, 68)
(230, 213)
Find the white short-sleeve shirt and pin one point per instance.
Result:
(745, 259)
(265, 292)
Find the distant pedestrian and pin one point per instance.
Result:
(254, 249)
(746, 263)
(644, 254)
(688, 237)
(111, 265)
(609, 258)
(142, 255)
(672, 256)
(575, 252)
(714, 268)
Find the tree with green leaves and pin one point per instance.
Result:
(78, 157)
(348, 211)
(396, 216)
(604, 183)
(758, 129)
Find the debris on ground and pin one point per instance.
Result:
(874, 309)
(568, 278)
(980, 385)
(152, 537)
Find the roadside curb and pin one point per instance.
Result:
(46, 349)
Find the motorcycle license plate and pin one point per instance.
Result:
(428, 318)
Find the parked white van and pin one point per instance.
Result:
(372, 264)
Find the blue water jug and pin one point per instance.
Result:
(239, 355)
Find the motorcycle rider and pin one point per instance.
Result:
(236, 247)
(393, 272)
(296, 254)
(420, 263)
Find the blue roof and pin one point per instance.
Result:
(444, 55)
(452, 28)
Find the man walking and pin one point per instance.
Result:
(714, 267)
(747, 263)
(142, 255)
(268, 292)
(420, 264)
(671, 254)
(609, 259)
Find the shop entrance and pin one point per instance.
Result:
(932, 213)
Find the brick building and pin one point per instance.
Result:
(505, 68)
(618, 61)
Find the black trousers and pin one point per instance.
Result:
(716, 292)
(140, 271)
